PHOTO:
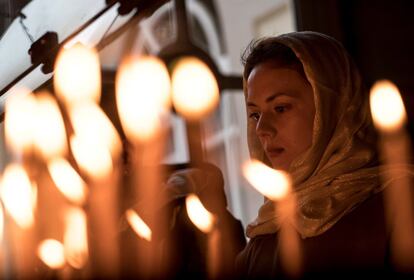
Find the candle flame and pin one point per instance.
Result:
(139, 226)
(92, 156)
(199, 215)
(49, 134)
(51, 252)
(89, 120)
(387, 107)
(142, 96)
(17, 195)
(77, 75)
(195, 92)
(67, 180)
(75, 238)
(19, 122)
(274, 184)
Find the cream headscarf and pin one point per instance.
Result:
(340, 170)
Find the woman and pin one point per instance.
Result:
(308, 114)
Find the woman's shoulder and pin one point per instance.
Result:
(357, 242)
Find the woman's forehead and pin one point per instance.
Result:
(267, 82)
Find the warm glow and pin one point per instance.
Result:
(19, 120)
(199, 215)
(67, 180)
(49, 134)
(92, 156)
(139, 226)
(17, 195)
(274, 184)
(195, 92)
(387, 107)
(1, 223)
(90, 121)
(142, 96)
(50, 251)
(76, 239)
(77, 76)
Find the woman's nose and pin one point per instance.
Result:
(265, 126)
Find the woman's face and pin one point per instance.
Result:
(280, 104)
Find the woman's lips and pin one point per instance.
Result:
(274, 152)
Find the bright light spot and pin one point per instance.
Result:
(199, 215)
(89, 120)
(17, 195)
(77, 75)
(67, 180)
(51, 252)
(195, 92)
(50, 133)
(138, 225)
(76, 239)
(387, 107)
(142, 96)
(92, 156)
(274, 184)
(19, 120)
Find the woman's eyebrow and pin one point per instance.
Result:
(271, 98)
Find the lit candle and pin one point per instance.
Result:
(139, 226)
(77, 75)
(67, 180)
(49, 130)
(102, 174)
(75, 239)
(195, 94)
(206, 222)
(276, 186)
(143, 101)
(95, 146)
(20, 112)
(51, 252)
(18, 196)
(389, 117)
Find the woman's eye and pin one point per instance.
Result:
(254, 116)
(281, 108)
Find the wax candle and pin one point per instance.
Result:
(389, 117)
(276, 186)
(206, 222)
(195, 94)
(143, 101)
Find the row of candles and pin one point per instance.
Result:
(59, 195)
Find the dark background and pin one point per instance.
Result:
(377, 33)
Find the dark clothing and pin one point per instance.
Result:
(357, 245)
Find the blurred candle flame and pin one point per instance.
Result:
(142, 96)
(92, 156)
(139, 226)
(67, 180)
(89, 120)
(49, 134)
(17, 195)
(51, 252)
(75, 237)
(387, 107)
(198, 214)
(274, 184)
(77, 76)
(19, 120)
(195, 92)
